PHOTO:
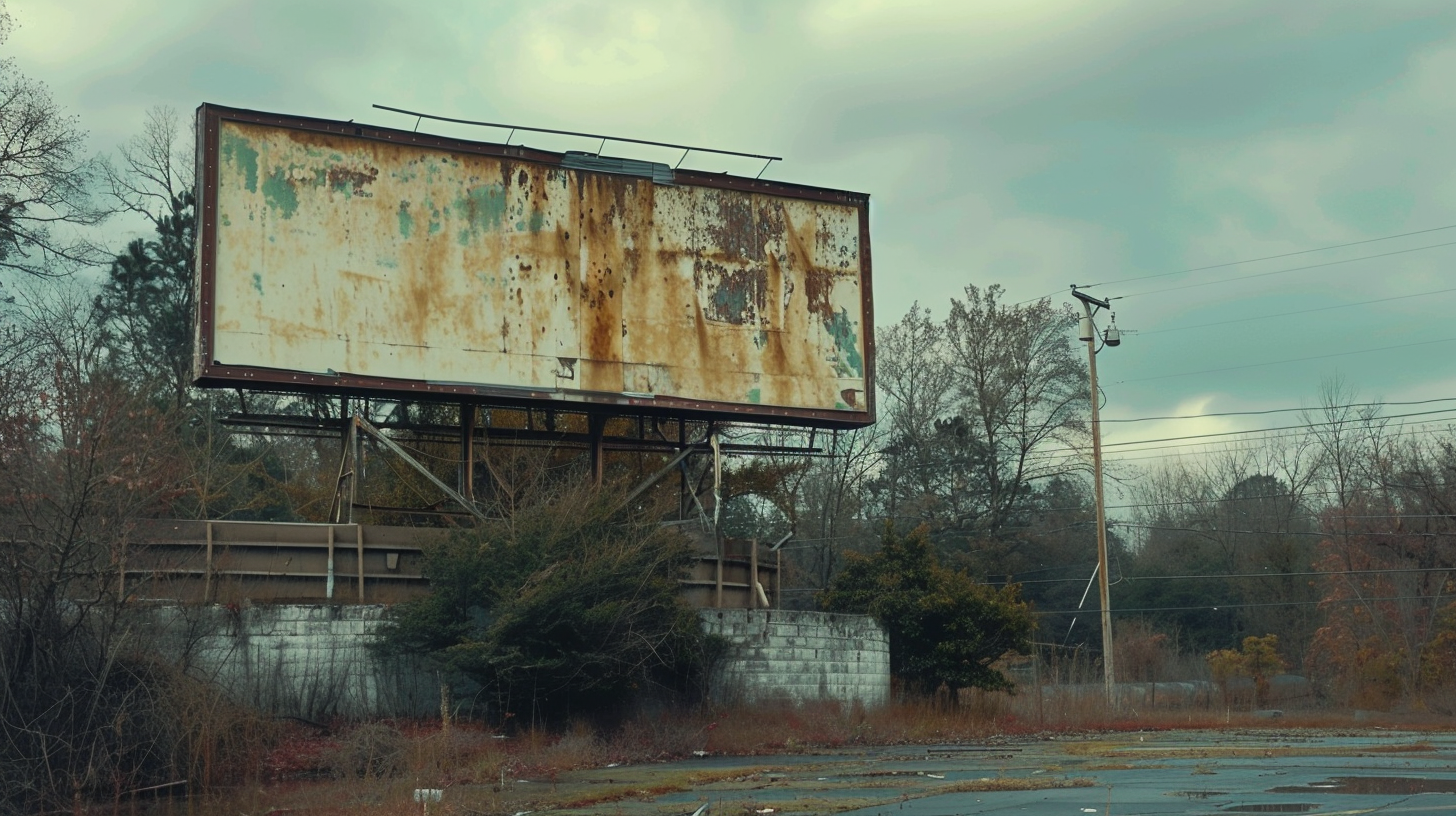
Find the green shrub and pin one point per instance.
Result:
(568, 607)
(944, 627)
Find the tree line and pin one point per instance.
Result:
(1331, 539)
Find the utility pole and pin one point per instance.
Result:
(1088, 333)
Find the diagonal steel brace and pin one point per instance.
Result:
(365, 426)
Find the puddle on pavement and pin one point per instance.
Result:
(1401, 785)
(1273, 807)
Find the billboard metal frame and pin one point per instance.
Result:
(210, 373)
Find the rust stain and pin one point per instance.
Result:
(818, 283)
(734, 231)
(818, 288)
(343, 178)
(734, 296)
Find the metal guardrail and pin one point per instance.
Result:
(228, 562)
(269, 562)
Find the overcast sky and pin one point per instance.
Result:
(1015, 142)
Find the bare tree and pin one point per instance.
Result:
(1389, 556)
(81, 457)
(914, 374)
(146, 303)
(44, 179)
(820, 500)
(1349, 438)
(1020, 390)
(156, 170)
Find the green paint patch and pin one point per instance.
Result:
(536, 221)
(226, 222)
(729, 303)
(482, 208)
(406, 221)
(755, 395)
(239, 152)
(258, 282)
(850, 363)
(279, 194)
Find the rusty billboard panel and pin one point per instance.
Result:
(344, 258)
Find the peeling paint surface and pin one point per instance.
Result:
(342, 254)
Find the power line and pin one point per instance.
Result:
(1142, 332)
(1235, 575)
(1385, 435)
(1182, 502)
(1316, 409)
(806, 543)
(1292, 360)
(1052, 454)
(1304, 426)
(1262, 434)
(1217, 607)
(1366, 533)
(1271, 257)
(1246, 261)
(1291, 269)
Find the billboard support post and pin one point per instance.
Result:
(597, 426)
(346, 449)
(467, 451)
(684, 504)
(356, 448)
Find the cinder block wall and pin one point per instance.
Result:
(800, 656)
(314, 661)
(310, 661)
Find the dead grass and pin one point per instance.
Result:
(491, 773)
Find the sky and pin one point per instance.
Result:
(1029, 144)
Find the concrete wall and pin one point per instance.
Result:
(799, 656)
(310, 661)
(314, 661)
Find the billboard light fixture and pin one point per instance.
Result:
(513, 128)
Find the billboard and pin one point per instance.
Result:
(350, 259)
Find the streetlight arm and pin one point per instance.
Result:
(1088, 300)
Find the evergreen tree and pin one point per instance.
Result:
(943, 626)
(146, 304)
